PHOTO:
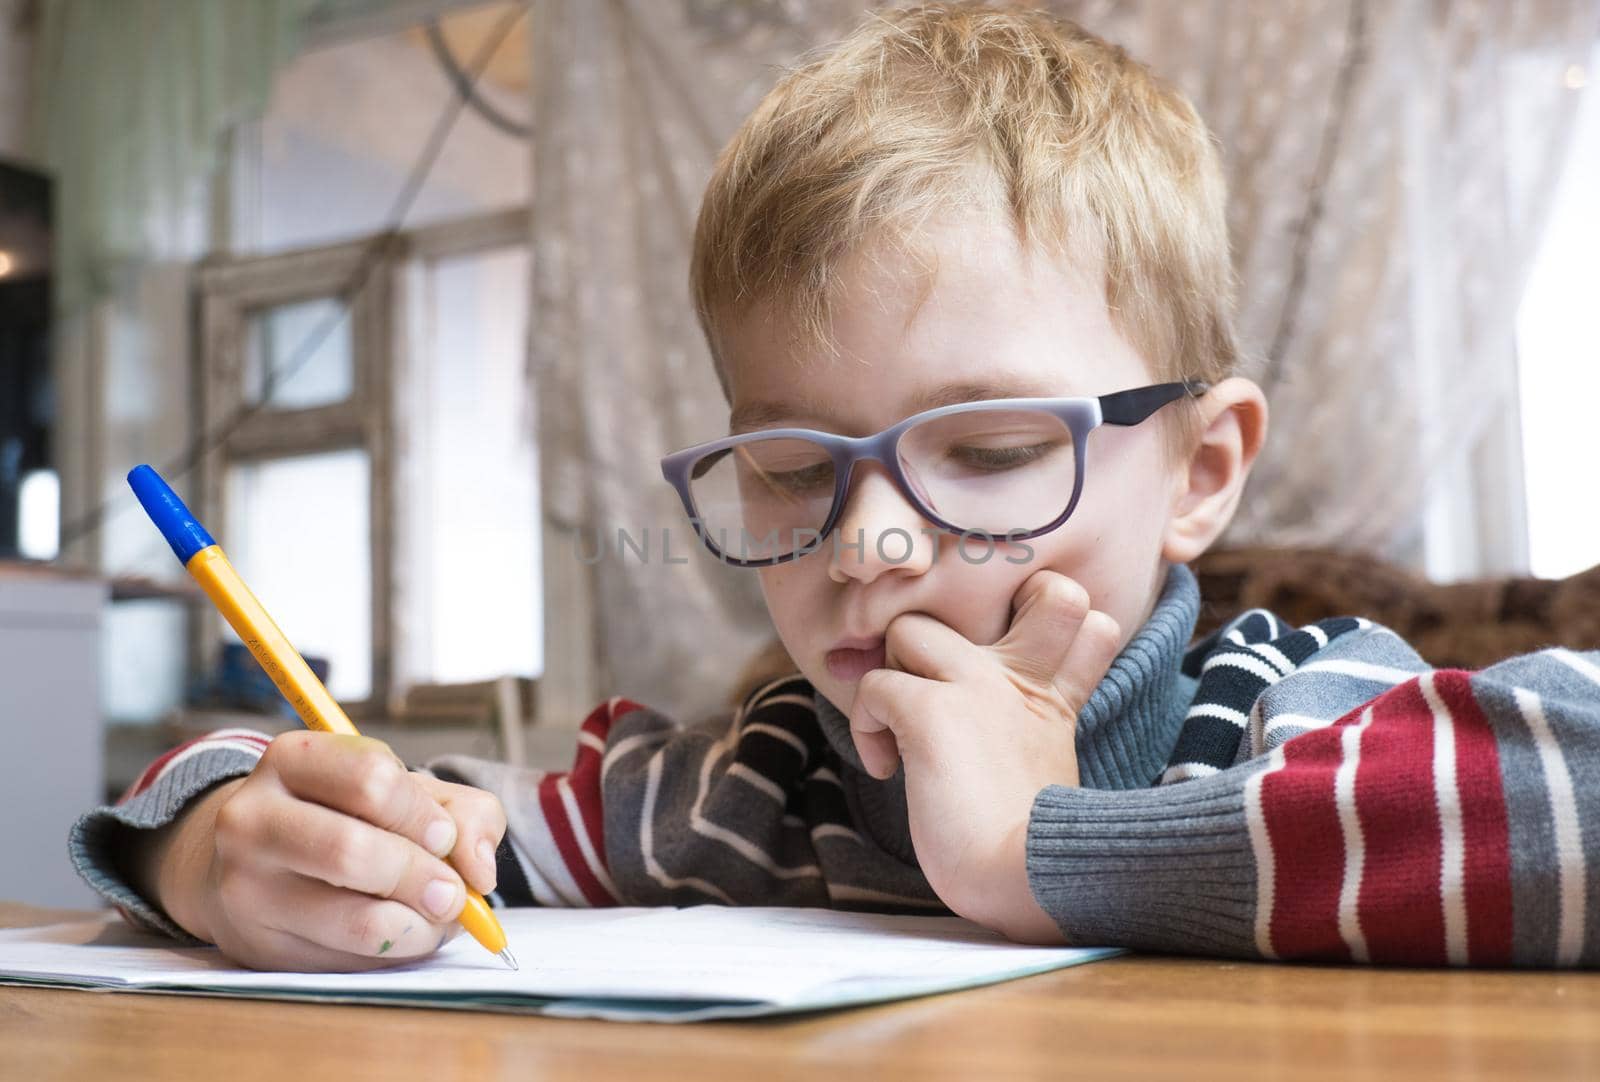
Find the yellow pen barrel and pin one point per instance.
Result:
(480, 922)
(270, 646)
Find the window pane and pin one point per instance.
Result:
(1558, 350)
(298, 533)
(304, 348)
(476, 600)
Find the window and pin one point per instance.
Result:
(475, 492)
(1558, 345)
(379, 482)
(282, 477)
(298, 532)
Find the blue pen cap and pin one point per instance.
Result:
(172, 518)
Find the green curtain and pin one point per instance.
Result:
(133, 98)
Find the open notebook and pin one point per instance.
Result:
(627, 964)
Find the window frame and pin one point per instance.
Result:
(229, 290)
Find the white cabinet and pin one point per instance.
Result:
(50, 731)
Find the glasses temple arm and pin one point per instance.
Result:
(1131, 407)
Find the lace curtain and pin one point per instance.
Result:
(1389, 168)
(132, 144)
(1389, 165)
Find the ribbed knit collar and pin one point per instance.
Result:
(1125, 731)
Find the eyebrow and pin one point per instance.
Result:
(756, 415)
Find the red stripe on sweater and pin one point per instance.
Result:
(555, 817)
(586, 765)
(1486, 837)
(1302, 823)
(152, 773)
(584, 781)
(1399, 901)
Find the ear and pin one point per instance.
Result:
(1206, 487)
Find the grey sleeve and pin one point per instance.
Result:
(1166, 869)
(97, 838)
(1443, 823)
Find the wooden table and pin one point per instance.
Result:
(1130, 1017)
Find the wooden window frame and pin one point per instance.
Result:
(230, 290)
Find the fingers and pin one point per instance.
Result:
(1050, 611)
(362, 777)
(279, 831)
(884, 699)
(918, 644)
(1096, 646)
(357, 928)
(480, 824)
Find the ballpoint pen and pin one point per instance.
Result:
(204, 560)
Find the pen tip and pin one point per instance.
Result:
(505, 956)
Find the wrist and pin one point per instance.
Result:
(1022, 919)
(170, 865)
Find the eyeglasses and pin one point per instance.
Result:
(1008, 468)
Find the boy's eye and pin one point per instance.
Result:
(996, 459)
(806, 479)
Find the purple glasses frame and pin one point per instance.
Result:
(1081, 415)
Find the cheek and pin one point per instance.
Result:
(975, 598)
(792, 594)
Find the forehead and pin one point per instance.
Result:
(960, 312)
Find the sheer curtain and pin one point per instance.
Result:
(1389, 166)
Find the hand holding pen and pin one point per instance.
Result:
(327, 855)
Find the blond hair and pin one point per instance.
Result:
(1080, 143)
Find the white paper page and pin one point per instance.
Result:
(766, 955)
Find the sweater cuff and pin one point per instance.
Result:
(99, 836)
(1167, 869)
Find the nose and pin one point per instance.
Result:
(879, 531)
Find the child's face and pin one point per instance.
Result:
(1014, 325)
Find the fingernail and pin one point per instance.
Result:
(486, 853)
(439, 897)
(440, 837)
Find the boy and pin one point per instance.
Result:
(995, 245)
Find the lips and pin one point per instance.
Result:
(854, 658)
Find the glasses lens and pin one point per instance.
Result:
(763, 499)
(992, 471)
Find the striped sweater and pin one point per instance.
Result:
(1268, 792)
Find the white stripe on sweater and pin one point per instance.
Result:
(623, 748)
(544, 859)
(1452, 846)
(1362, 670)
(715, 832)
(1273, 655)
(597, 866)
(758, 781)
(1355, 848)
(1218, 711)
(1187, 771)
(1248, 662)
(798, 700)
(1303, 722)
(647, 841)
(1570, 867)
(1261, 844)
(780, 734)
(205, 747)
(834, 830)
(1573, 661)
